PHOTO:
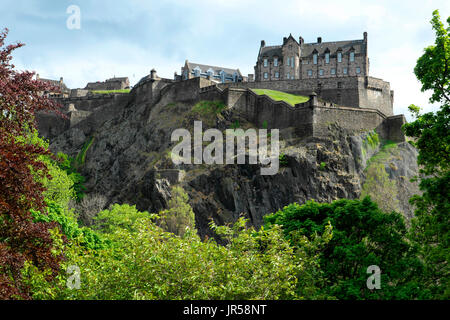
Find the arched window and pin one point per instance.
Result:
(327, 57)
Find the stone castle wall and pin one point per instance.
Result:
(311, 118)
(364, 92)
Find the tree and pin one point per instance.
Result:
(362, 236)
(179, 214)
(21, 239)
(431, 133)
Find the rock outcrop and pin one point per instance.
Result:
(128, 161)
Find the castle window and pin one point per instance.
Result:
(352, 56)
(339, 57)
(288, 61)
(339, 85)
(333, 71)
(320, 72)
(288, 75)
(275, 62)
(358, 70)
(310, 73)
(265, 62)
(345, 71)
(327, 57)
(266, 75)
(277, 74)
(315, 58)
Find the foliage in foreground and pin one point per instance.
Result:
(21, 240)
(431, 133)
(363, 235)
(145, 262)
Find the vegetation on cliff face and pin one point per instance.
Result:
(378, 185)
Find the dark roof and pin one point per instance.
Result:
(118, 79)
(271, 51)
(308, 48)
(204, 68)
(55, 83)
(358, 45)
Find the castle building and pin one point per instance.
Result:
(110, 84)
(64, 91)
(217, 74)
(299, 60)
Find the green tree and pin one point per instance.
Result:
(146, 262)
(431, 133)
(179, 214)
(362, 236)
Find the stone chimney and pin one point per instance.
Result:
(37, 76)
(365, 36)
(61, 80)
(319, 40)
(301, 41)
(263, 43)
(153, 74)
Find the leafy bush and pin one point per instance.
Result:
(146, 262)
(363, 235)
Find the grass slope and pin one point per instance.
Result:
(292, 99)
(111, 91)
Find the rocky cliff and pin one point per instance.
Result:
(127, 159)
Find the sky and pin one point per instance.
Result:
(129, 38)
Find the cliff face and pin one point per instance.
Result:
(127, 160)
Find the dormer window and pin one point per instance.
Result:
(265, 62)
(275, 62)
(327, 57)
(315, 58)
(197, 71)
(339, 56)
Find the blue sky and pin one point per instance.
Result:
(129, 38)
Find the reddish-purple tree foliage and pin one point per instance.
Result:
(20, 238)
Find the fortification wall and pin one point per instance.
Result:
(357, 92)
(313, 117)
(91, 102)
(376, 94)
(350, 119)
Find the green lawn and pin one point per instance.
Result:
(292, 99)
(111, 91)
